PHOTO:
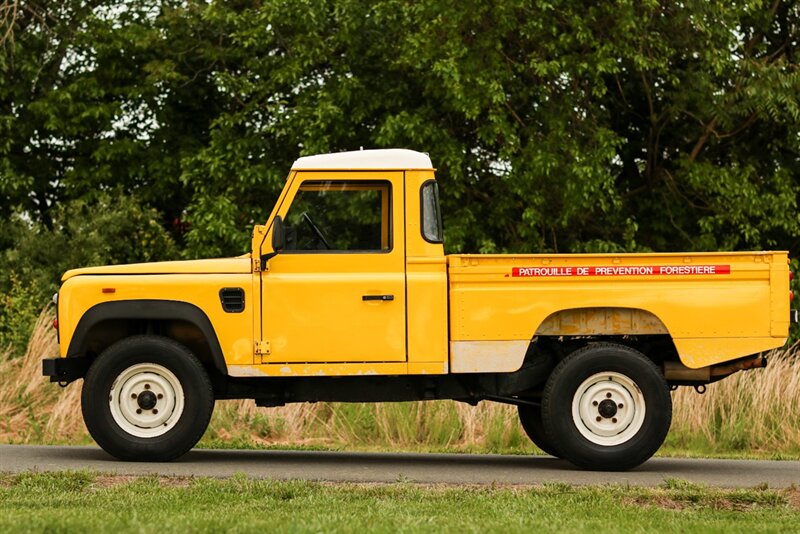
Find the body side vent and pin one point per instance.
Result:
(232, 299)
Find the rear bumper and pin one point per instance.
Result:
(65, 369)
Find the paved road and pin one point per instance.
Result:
(423, 468)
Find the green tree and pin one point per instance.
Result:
(91, 99)
(555, 125)
(559, 126)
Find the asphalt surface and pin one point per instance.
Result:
(420, 468)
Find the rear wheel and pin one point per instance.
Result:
(607, 407)
(530, 417)
(147, 398)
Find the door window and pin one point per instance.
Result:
(340, 216)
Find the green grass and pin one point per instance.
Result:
(81, 501)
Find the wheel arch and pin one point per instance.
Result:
(108, 322)
(637, 328)
(601, 321)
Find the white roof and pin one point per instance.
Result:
(391, 158)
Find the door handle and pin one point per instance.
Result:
(377, 297)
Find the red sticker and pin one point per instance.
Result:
(622, 270)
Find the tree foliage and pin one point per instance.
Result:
(555, 125)
(112, 228)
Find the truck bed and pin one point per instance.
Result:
(715, 306)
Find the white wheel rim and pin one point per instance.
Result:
(592, 410)
(146, 400)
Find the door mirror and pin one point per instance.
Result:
(278, 234)
(278, 241)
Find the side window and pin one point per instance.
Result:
(431, 213)
(340, 216)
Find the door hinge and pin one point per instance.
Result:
(256, 265)
(262, 348)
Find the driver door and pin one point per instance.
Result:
(336, 293)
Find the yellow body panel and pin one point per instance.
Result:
(426, 275)
(234, 330)
(240, 265)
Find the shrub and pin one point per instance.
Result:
(110, 230)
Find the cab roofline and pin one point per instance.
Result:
(383, 159)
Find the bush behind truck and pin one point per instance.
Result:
(348, 296)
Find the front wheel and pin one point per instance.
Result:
(147, 398)
(606, 407)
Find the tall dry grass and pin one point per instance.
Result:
(753, 411)
(31, 409)
(432, 425)
(756, 412)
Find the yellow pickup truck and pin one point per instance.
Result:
(347, 296)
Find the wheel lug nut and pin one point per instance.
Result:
(155, 411)
(138, 410)
(160, 396)
(147, 386)
(599, 418)
(594, 403)
(619, 405)
(608, 395)
(133, 395)
(613, 419)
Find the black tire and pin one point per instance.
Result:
(136, 366)
(616, 375)
(530, 417)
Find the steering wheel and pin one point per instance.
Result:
(316, 230)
